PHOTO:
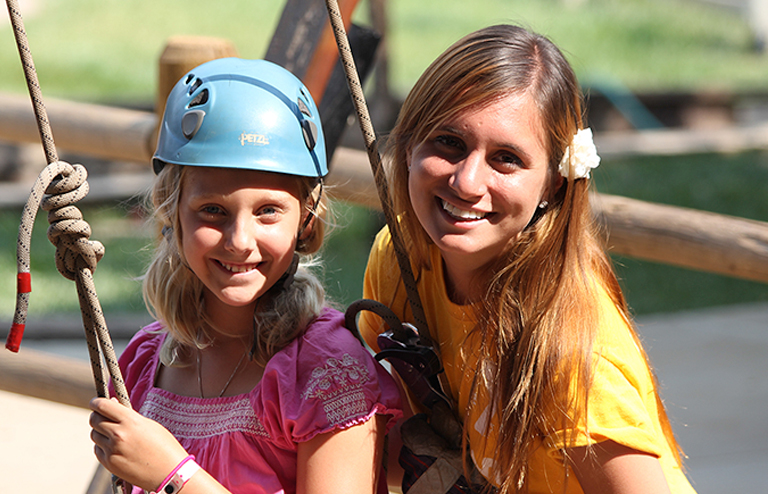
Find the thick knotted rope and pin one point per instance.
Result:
(76, 256)
(371, 146)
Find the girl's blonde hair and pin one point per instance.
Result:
(174, 294)
(536, 321)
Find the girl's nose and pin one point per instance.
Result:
(469, 177)
(240, 235)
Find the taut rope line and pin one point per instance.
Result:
(371, 146)
(76, 256)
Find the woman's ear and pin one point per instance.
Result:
(557, 183)
(554, 185)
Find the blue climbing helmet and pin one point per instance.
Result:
(235, 113)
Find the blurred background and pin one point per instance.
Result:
(643, 64)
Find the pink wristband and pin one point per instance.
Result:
(179, 476)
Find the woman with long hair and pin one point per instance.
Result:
(490, 178)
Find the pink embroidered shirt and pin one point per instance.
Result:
(324, 380)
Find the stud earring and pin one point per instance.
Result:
(543, 204)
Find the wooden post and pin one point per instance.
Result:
(183, 53)
(326, 53)
(303, 42)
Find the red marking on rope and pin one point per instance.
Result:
(24, 283)
(14, 337)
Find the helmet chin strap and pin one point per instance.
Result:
(287, 279)
(313, 210)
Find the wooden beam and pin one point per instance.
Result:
(326, 52)
(685, 237)
(95, 130)
(182, 54)
(47, 376)
(336, 105)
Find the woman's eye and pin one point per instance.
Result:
(448, 141)
(510, 160)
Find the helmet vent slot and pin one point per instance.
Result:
(200, 99)
(309, 129)
(189, 78)
(303, 108)
(195, 85)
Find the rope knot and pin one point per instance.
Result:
(68, 231)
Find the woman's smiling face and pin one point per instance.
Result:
(476, 181)
(239, 230)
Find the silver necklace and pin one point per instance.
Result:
(226, 385)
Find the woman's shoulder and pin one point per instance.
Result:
(618, 346)
(382, 244)
(614, 328)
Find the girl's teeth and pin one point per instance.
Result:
(236, 269)
(461, 214)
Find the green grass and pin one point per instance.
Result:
(106, 50)
(643, 44)
(115, 277)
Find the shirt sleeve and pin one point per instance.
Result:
(138, 364)
(375, 283)
(324, 381)
(622, 404)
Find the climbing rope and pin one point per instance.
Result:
(57, 187)
(371, 146)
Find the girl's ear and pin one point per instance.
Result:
(307, 224)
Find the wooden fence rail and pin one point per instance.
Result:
(684, 237)
(47, 376)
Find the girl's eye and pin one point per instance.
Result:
(268, 211)
(211, 210)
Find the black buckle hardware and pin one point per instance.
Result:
(418, 365)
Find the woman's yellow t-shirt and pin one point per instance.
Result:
(622, 403)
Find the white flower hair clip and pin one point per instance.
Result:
(580, 157)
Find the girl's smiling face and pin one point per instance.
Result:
(476, 181)
(238, 231)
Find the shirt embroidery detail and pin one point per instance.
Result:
(339, 385)
(203, 420)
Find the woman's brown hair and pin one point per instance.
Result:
(536, 323)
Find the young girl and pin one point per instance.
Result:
(490, 170)
(245, 369)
